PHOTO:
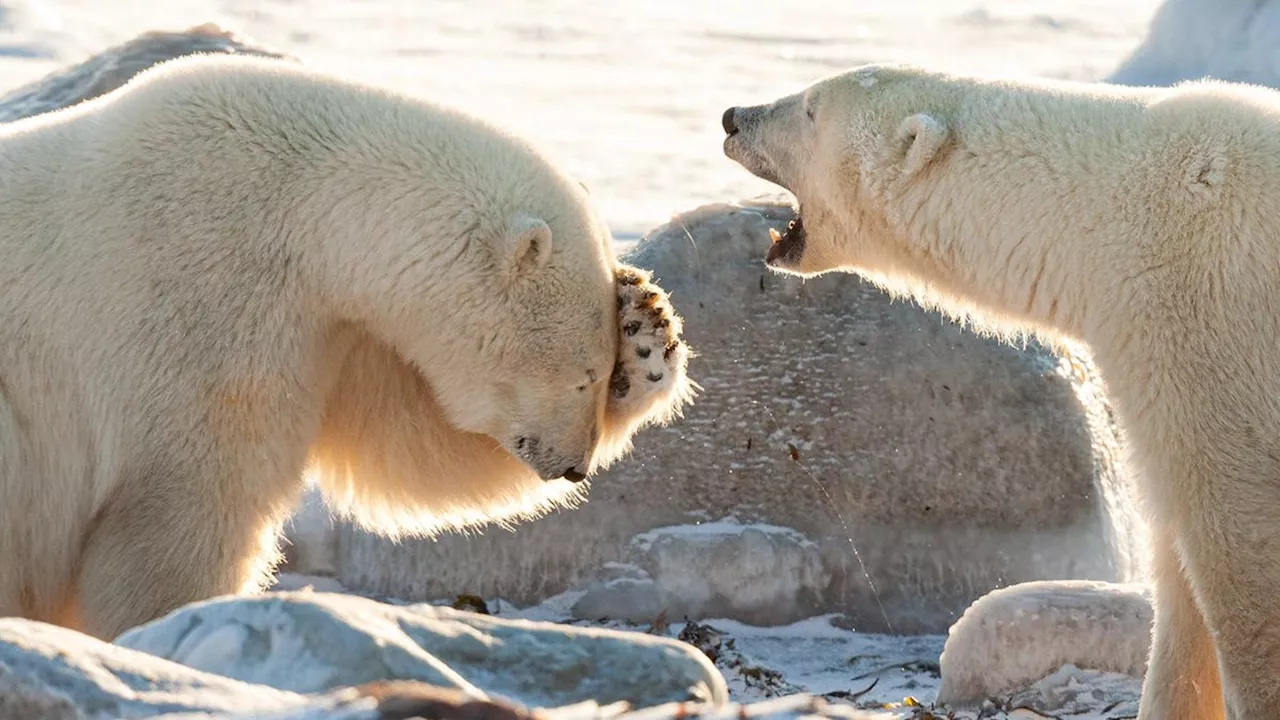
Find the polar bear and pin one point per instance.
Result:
(234, 271)
(1140, 221)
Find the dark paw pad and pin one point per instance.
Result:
(619, 386)
(629, 277)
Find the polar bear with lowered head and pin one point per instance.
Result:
(232, 271)
(1142, 222)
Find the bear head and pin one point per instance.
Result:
(839, 146)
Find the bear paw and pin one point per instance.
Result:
(649, 382)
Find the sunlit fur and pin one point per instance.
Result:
(235, 270)
(1143, 223)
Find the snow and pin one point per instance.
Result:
(628, 95)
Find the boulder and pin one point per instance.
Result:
(50, 672)
(906, 465)
(314, 642)
(1013, 637)
(698, 570)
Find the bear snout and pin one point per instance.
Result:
(729, 122)
(545, 461)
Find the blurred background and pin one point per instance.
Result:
(627, 93)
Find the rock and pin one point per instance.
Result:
(50, 672)
(722, 569)
(1235, 40)
(314, 642)
(1015, 636)
(910, 454)
(620, 591)
(113, 67)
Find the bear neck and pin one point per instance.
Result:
(1015, 224)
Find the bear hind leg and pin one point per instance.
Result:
(1229, 542)
(1182, 674)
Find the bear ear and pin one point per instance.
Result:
(528, 243)
(919, 138)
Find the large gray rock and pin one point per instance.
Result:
(905, 451)
(51, 672)
(313, 642)
(696, 570)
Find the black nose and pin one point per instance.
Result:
(573, 475)
(726, 121)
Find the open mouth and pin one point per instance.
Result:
(788, 245)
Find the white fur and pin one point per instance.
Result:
(1143, 222)
(233, 270)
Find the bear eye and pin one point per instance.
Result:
(808, 110)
